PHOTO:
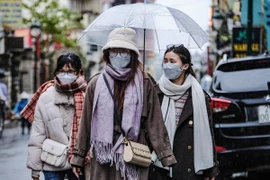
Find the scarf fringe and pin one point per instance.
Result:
(128, 171)
(102, 151)
(104, 155)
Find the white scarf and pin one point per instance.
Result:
(203, 147)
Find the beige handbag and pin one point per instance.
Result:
(54, 153)
(136, 153)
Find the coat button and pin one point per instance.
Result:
(189, 147)
(190, 122)
(188, 170)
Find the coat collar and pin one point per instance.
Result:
(187, 110)
(63, 98)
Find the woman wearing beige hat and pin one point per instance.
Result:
(132, 109)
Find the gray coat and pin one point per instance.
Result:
(152, 127)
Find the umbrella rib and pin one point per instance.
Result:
(128, 17)
(161, 9)
(186, 28)
(82, 35)
(157, 39)
(194, 40)
(144, 24)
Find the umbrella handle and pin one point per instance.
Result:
(144, 31)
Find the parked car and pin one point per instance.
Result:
(240, 94)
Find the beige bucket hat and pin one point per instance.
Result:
(122, 38)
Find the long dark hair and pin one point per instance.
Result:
(184, 55)
(69, 59)
(120, 86)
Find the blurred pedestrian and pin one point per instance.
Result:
(131, 111)
(55, 110)
(206, 83)
(3, 94)
(24, 99)
(188, 119)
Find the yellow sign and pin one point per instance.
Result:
(240, 49)
(11, 12)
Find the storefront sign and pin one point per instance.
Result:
(240, 46)
(11, 11)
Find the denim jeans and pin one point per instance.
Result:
(59, 175)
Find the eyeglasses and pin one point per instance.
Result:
(121, 52)
(173, 46)
(68, 72)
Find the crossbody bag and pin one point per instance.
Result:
(53, 152)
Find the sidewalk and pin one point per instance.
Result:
(11, 123)
(13, 153)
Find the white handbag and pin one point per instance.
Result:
(54, 153)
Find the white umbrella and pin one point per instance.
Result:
(156, 25)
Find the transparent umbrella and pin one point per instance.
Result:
(156, 25)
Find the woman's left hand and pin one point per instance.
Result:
(209, 178)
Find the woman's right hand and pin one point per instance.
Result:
(76, 171)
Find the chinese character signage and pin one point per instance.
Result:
(11, 11)
(239, 46)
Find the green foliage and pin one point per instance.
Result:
(57, 22)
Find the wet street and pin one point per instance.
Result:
(13, 154)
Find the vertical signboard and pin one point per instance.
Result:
(239, 45)
(2, 43)
(11, 11)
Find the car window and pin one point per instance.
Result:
(242, 77)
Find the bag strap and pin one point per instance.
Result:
(93, 77)
(46, 129)
(115, 106)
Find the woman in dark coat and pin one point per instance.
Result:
(133, 108)
(188, 120)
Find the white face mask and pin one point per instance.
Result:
(172, 71)
(119, 61)
(66, 79)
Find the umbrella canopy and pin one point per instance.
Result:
(156, 25)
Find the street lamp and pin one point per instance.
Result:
(217, 23)
(230, 23)
(35, 31)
